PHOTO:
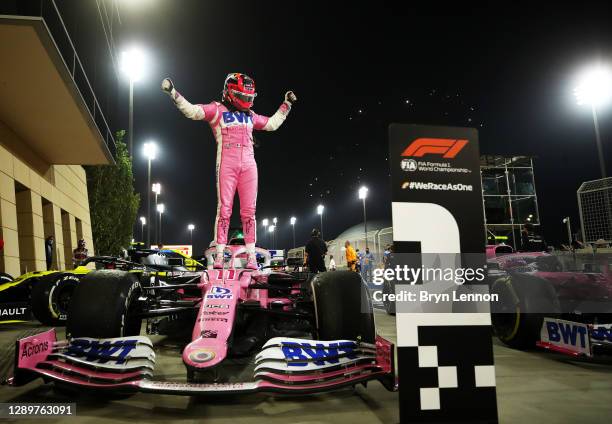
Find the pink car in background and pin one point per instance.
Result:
(294, 335)
(562, 303)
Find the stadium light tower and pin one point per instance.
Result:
(292, 221)
(143, 222)
(132, 65)
(156, 188)
(271, 229)
(363, 194)
(568, 224)
(595, 89)
(161, 208)
(320, 209)
(191, 227)
(150, 152)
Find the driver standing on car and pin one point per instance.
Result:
(232, 122)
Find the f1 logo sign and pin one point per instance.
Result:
(448, 148)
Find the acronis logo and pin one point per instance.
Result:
(237, 117)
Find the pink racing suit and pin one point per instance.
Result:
(236, 168)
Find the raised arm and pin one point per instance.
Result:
(273, 122)
(191, 111)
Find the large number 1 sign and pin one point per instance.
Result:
(445, 358)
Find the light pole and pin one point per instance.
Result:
(156, 188)
(363, 193)
(320, 209)
(132, 67)
(265, 224)
(293, 219)
(271, 229)
(161, 208)
(595, 89)
(567, 222)
(191, 227)
(143, 222)
(150, 151)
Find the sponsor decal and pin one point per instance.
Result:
(236, 118)
(102, 352)
(445, 147)
(213, 306)
(601, 332)
(569, 335)
(197, 387)
(319, 352)
(31, 348)
(14, 311)
(219, 293)
(417, 185)
(209, 334)
(215, 313)
(411, 165)
(201, 355)
(215, 319)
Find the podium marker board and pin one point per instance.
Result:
(445, 357)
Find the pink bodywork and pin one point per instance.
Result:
(222, 291)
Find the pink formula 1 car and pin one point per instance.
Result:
(292, 333)
(562, 303)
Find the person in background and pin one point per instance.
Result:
(332, 263)
(359, 260)
(49, 244)
(386, 255)
(351, 256)
(79, 254)
(314, 252)
(367, 264)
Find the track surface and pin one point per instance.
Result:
(533, 387)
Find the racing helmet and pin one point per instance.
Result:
(81, 243)
(239, 90)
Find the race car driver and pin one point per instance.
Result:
(232, 122)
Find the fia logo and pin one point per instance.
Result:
(409, 165)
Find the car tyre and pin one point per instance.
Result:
(524, 301)
(105, 305)
(343, 309)
(51, 296)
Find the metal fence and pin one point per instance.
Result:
(594, 204)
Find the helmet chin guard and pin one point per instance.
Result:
(239, 90)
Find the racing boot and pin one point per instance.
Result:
(251, 261)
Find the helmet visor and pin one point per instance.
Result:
(248, 98)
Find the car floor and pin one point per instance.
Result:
(532, 387)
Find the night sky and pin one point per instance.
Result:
(355, 69)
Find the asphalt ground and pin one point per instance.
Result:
(532, 387)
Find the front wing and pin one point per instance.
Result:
(126, 365)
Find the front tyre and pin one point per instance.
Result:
(105, 305)
(51, 298)
(524, 301)
(343, 308)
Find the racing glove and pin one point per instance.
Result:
(194, 112)
(279, 117)
(290, 97)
